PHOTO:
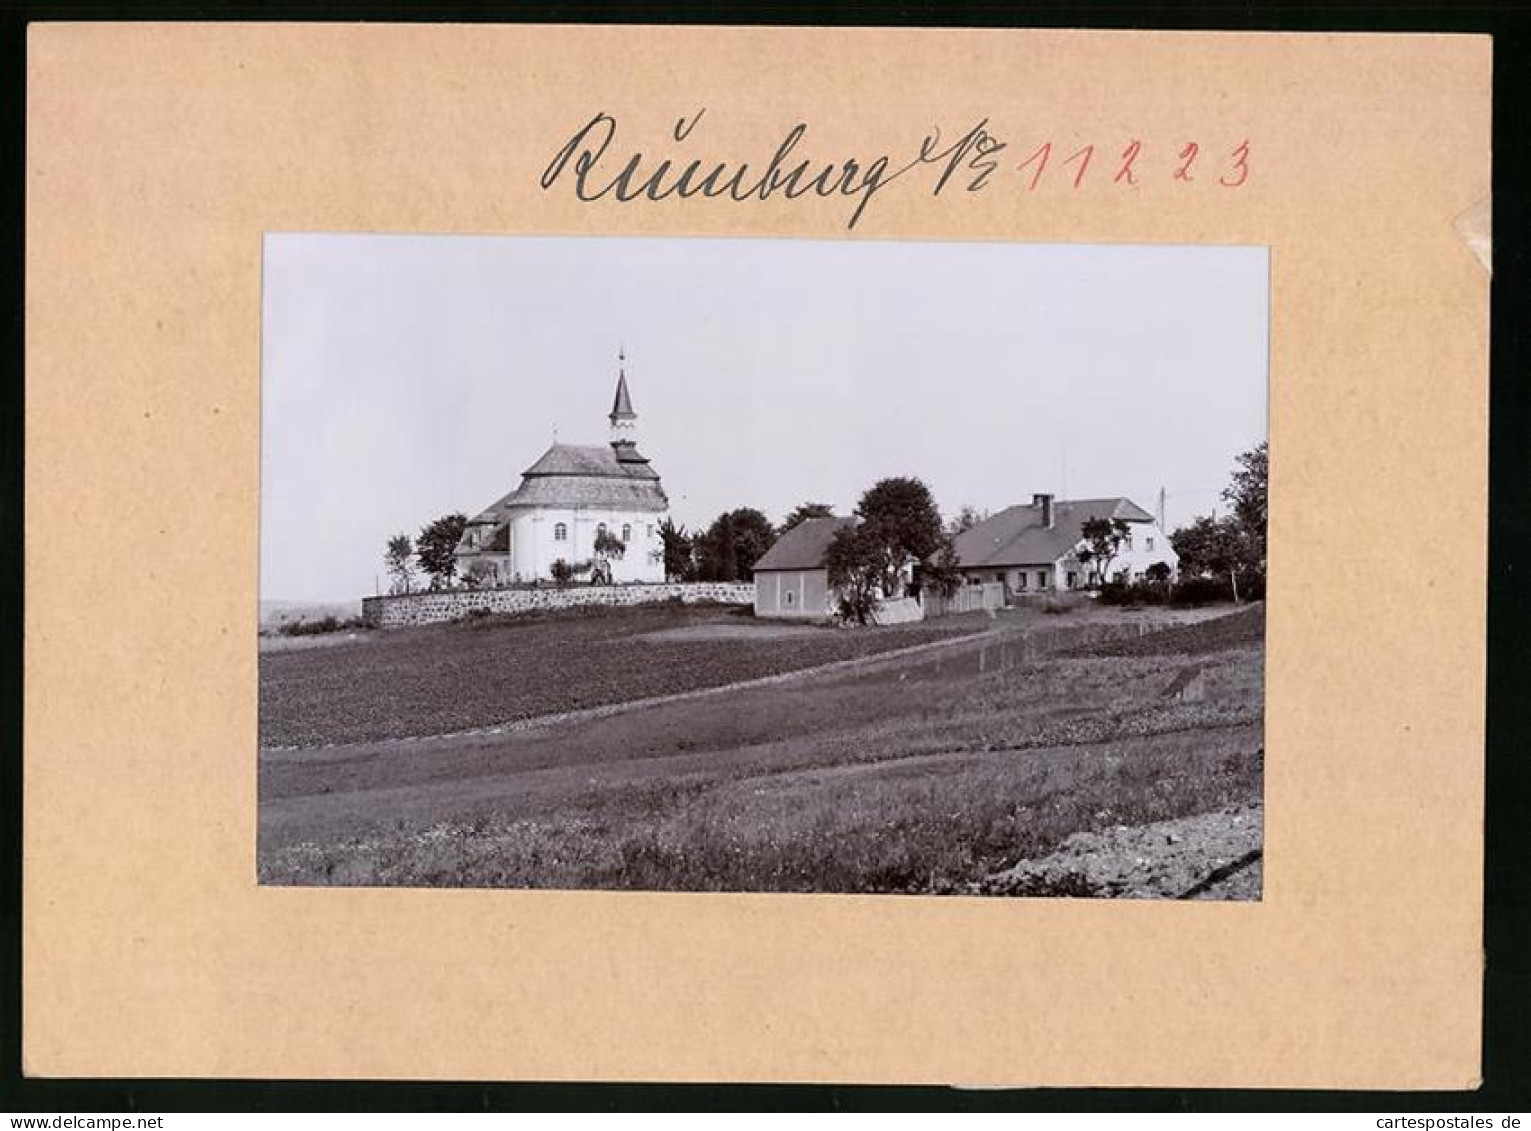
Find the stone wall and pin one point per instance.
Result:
(433, 608)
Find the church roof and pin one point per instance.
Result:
(596, 460)
(575, 475)
(1016, 536)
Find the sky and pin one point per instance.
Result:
(407, 377)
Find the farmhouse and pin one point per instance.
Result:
(569, 497)
(1033, 547)
(791, 579)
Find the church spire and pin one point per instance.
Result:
(622, 404)
(624, 421)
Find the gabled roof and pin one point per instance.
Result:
(1016, 537)
(804, 545)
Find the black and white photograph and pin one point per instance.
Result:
(763, 565)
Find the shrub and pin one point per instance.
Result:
(479, 575)
(1131, 594)
(562, 572)
(1252, 586)
(1201, 591)
(302, 627)
(855, 606)
(1059, 605)
(1117, 592)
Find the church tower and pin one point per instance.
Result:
(624, 421)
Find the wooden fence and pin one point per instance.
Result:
(968, 599)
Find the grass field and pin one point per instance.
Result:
(917, 775)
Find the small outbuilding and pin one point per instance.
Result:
(791, 580)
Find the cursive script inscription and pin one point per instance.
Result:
(595, 176)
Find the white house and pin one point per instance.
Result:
(1034, 547)
(566, 498)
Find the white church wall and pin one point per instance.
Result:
(535, 544)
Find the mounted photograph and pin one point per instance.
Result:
(763, 565)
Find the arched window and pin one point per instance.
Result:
(560, 532)
(627, 532)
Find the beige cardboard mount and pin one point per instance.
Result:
(157, 157)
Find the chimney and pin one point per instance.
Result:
(1046, 503)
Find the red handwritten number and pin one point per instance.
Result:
(1240, 166)
(1187, 156)
(1087, 152)
(1040, 156)
(1128, 157)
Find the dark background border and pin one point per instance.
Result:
(1507, 925)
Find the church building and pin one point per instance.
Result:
(570, 496)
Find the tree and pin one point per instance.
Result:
(939, 574)
(902, 513)
(1234, 545)
(679, 562)
(1198, 547)
(436, 548)
(397, 560)
(905, 509)
(967, 518)
(1103, 538)
(731, 546)
(1248, 495)
(805, 511)
(1214, 547)
(856, 559)
(1158, 573)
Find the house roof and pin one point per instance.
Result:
(1016, 537)
(804, 545)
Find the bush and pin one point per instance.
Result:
(302, 627)
(1252, 586)
(1195, 591)
(855, 606)
(1208, 590)
(479, 575)
(1117, 592)
(1130, 594)
(562, 572)
(1059, 605)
